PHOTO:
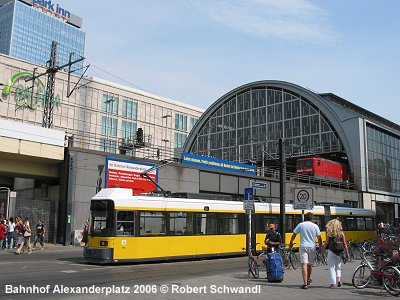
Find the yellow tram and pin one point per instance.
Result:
(126, 227)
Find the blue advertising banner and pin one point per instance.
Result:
(219, 164)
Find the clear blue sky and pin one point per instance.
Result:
(195, 51)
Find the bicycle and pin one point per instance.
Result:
(289, 257)
(254, 268)
(387, 275)
(320, 257)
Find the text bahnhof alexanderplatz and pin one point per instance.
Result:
(136, 289)
(62, 289)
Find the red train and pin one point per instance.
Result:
(322, 168)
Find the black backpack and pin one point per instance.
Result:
(336, 244)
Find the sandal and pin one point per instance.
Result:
(305, 286)
(339, 284)
(309, 281)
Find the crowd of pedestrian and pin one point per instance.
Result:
(16, 234)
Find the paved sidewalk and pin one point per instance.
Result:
(290, 288)
(48, 247)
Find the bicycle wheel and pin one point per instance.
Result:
(285, 260)
(253, 267)
(293, 260)
(357, 253)
(362, 277)
(350, 257)
(344, 257)
(323, 258)
(391, 280)
(316, 260)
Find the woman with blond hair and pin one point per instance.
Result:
(336, 244)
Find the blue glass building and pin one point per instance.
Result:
(28, 27)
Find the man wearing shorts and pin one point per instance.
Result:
(308, 232)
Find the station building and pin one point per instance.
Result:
(245, 124)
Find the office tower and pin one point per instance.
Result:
(28, 27)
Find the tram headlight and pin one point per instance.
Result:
(103, 243)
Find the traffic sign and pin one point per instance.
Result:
(303, 198)
(248, 203)
(259, 185)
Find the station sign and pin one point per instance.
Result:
(259, 185)
(303, 198)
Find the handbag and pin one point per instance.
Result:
(27, 232)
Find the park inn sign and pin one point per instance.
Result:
(25, 96)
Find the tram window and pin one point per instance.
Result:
(206, 223)
(102, 223)
(297, 219)
(351, 224)
(228, 224)
(369, 222)
(125, 223)
(152, 223)
(262, 222)
(180, 223)
(318, 220)
(289, 223)
(360, 223)
(242, 223)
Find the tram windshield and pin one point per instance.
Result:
(102, 214)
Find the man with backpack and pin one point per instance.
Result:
(308, 233)
(273, 239)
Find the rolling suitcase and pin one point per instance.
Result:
(274, 267)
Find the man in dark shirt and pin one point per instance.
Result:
(273, 239)
(40, 231)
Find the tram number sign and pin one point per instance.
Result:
(303, 198)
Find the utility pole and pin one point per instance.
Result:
(51, 71)
(282, 189)
(49, 99)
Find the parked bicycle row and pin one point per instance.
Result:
(377, 265)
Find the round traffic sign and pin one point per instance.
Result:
(303, 196)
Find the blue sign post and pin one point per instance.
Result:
(248, 206)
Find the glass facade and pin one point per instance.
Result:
(250, 122)
(383, 160)
(27, 34)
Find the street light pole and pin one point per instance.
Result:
(282, 188)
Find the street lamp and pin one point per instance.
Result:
(165, 139)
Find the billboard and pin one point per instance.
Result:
(126, 174)
(215, 163)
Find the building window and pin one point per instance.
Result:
(180, 122)
(128, 129)
(110, 104)
(107, 145)
(109, 126)
(193, 122)
(129, 108)
(180, 139)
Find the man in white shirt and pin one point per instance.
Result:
(308, 232)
